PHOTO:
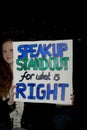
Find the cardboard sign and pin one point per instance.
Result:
(43, 71)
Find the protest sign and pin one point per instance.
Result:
(43, 71)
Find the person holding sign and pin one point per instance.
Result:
(6, 101)
(30, 116)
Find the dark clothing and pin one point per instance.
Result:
(41, 116)
(5, 110)
(38, 116)
(67, 118)
(35, 115)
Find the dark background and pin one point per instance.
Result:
(53, 23)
